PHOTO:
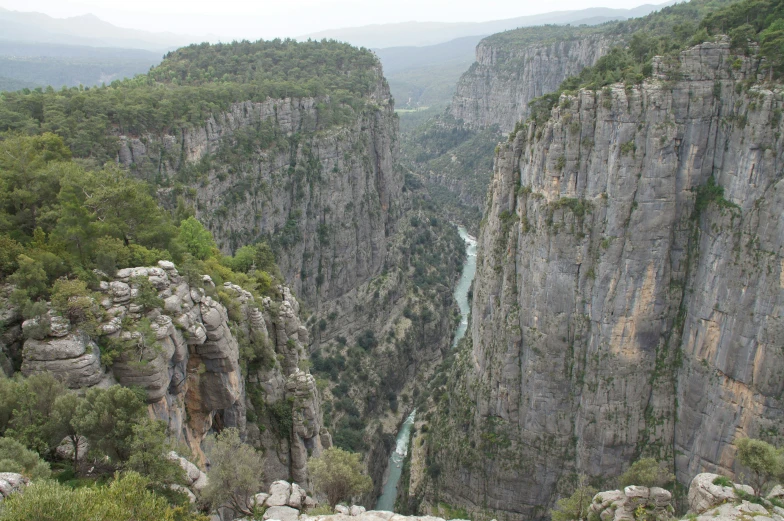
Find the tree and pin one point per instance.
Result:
(126, 498)
(15, 457)
(62, 424)
(762, 459)
(34, 400)
(235, 473)
(338, 475)
(30, 279)
(646, 472)
(196, 239)
(107, 417)
(148, 454)
(577, 506)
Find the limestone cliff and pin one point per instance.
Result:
(326, 195)
(629, 291)
(497, 88)
(182, 345)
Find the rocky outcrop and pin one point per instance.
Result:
(327, 195)
(627, 504)
(629, 288)
(288, 502)
(11, 483)
(177, 341)
(709, 499)
(497, 88)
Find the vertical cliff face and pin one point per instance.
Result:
(628, 298)
(497, 88)
(326, 194)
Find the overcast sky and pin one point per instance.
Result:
(268, 19)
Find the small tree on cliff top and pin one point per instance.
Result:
(646, 472)
(235, 473)
(338, 475)
(577, 506)
(762, 459)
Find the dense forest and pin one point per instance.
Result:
(190, 85)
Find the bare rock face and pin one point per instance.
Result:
(496, 90)
(11, 483)
(73, 358)
(628, 293)
(307, 419)
(332, 223)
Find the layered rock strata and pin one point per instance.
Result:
(184, 352)
(629, 290)
(497, 88)
(328, 196)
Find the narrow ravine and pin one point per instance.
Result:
(464, 284)
(395, 466)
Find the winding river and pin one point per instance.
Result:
(395, 466)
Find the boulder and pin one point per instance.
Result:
(73, 358)
(184, 490)
(777, 492)
(281, 513)
(356, 510)
(65, 449)
(11, 482)
(279, 494)
(260, 498)
(297, 497)
(342, 509)
(703, 494)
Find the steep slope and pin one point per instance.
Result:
(510, 72)
(628, 295)
(515, 67)
(292, 143)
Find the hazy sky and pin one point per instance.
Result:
(267, 19)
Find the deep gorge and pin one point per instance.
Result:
(577, 266)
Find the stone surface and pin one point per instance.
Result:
(188, 363)
(607, 308)
(616, 505)
(279, 494)
(356, 201)
(281, 513)
(496, 90)
(11, 483)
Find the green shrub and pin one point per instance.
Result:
(646, 472)
(15, 457)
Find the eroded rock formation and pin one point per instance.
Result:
(629, 292)
(184, 351)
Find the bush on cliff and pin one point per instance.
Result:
(646, 472)
(235, 473)
(338, 475)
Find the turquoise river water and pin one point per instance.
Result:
(395, 467)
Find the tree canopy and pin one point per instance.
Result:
(338, 475)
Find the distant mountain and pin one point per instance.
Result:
(29, 65)
(426, 76)
(431, 33)
(84, 30)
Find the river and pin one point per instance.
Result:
(464, 284)
(388, 494)
(395, 466)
